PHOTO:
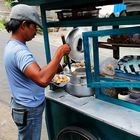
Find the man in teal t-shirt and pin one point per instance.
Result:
(26, 79)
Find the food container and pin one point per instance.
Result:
(123, 97)
(123, 94)
(77, 85)
(60, 80)
(78, 82)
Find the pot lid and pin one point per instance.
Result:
(75, 40)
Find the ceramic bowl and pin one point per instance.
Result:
(123, 97)
(60, 80)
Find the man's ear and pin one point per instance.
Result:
(23, 24)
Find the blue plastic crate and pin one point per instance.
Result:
(119, 8)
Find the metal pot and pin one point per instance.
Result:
(78, 84)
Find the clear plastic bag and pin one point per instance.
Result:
(108, 66)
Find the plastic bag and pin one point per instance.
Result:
(108, 66)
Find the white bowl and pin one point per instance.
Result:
(123, 97)
(59, 80)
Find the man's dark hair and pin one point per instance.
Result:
(14, 24)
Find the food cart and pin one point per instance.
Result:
(98, 117)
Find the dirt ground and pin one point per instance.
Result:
(7, 127)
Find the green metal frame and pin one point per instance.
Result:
(60, 116)
(65, 4)
(129, 20)
(45, 31)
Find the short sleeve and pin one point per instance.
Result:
(23, 59)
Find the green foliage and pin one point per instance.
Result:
(2, 24)
(39, 31)
(8, 3)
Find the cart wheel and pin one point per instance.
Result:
(75, 133)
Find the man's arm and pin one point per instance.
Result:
(43, 76)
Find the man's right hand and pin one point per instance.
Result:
(64, 49)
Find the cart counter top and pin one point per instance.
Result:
(117, 116)
(65, 4)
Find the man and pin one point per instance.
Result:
(26, 79)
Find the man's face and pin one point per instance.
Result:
(30, 32)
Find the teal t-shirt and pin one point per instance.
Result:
(16, 58)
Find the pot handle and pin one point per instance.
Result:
(82, 81)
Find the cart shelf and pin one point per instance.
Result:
(111, 45)
(125, 77)
(129, 20)
(65, 4)
(115, 81)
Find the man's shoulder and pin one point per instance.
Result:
(14, 46)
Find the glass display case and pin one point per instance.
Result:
(117, 81)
